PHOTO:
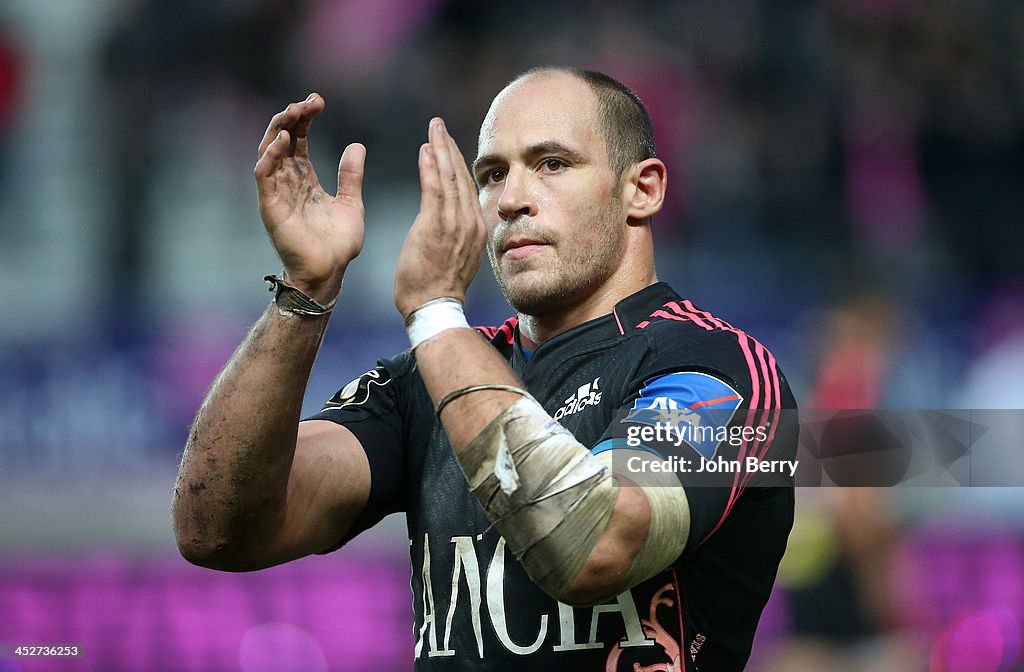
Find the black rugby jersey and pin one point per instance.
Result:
(475, 608)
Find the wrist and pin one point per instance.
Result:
(434, 317)
(411, 296)
(291, 300)
(324, 290)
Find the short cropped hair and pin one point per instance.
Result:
(624, 119)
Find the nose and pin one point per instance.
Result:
(515, 199)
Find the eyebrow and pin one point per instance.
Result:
(546, 147)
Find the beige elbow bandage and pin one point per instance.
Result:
(551, 499)
(670, 517)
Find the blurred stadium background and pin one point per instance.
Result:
(846, 182)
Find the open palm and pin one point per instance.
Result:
(315, 234)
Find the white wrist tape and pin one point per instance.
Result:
(432, 318)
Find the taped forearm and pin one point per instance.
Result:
(551, 499)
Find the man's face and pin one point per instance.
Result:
(553, 208)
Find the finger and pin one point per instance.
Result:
(350, 174)
(431, 194)
(270, 162)
(469, 203)
(461, 168)
(438, 137)
(308, 110)
(288, 117)
(282, 120)
(445, 171)
(464, 181)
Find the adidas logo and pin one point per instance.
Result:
(586, 395)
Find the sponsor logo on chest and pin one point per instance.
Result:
(588, 394)
(460, 630)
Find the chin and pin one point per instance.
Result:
(539, 296)
(535, 305)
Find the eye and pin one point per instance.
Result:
(552, 165)
(493, 176)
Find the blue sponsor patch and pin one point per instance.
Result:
(694, 406)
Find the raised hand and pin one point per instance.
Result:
(444, 247)
(315, 234)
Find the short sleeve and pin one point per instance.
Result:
(371, 407)
(719, 412)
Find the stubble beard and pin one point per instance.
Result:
(565, 279)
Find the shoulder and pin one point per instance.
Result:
(684, 337)
(375, 391)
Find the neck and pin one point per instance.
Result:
(535, 329)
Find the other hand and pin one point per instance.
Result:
(445, 245)
(315, 234)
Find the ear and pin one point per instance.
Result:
(645, 189)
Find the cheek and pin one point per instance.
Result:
(488, 198)
(578, 202)
(492, 237)
(492, 220)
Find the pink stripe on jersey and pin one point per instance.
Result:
(759, 351)
(770, 373)
(721, 324)
(755, 386)
(755, 380)
(764, 384)
(776, 406)
(679, 611)
(507, 329)
(668, 316)
(672, 305)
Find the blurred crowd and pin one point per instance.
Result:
(846, 182)
(820, 153)
(822, 156)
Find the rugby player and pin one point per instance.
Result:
(530, 546)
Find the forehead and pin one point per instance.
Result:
(540, 108)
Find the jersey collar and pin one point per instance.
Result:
(624, 318)
(638, 307)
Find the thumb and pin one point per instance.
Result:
(350, 174)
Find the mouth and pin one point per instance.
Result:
(521, 247)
